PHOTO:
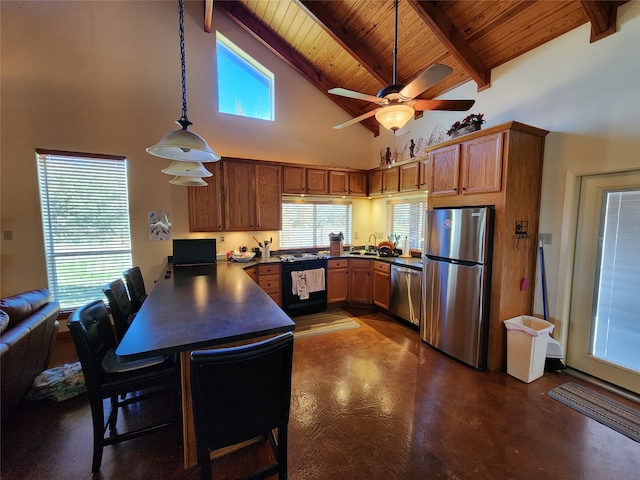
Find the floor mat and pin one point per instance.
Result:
(601, 408)
(324, 322)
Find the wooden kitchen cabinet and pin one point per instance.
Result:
(270, 280)
(253, 273)
(294, 179)
(338, 182)
(409, 176)
(360, 281)
(375, 182)
(268, 197)
(337, 280)
(205, 203)
(317, 181)
(468, 168)
(358, 183)
(313, 181)
(391, 180)
(424, 174)
(445, 170)
(482, 164)
(382, 284)
(251, 196)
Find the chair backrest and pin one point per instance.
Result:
(135, 285)
(120, 306)
(93, 337)
(241, 392)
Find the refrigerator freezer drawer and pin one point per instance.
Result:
(454, 318)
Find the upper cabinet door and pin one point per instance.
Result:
(409, 176)
(268, 197)
(445, 168)
(239, 195)
(317, 181)
(338, 182)
(205, 203)
(358, 183)
(375, 182)
(294, 180)
(391, 180)
(482, 164)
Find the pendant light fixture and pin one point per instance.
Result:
(184, 145)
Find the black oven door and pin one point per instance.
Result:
(291, 303)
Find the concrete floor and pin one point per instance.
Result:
(369, 403)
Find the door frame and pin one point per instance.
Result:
(568, 231)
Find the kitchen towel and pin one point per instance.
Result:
(307, 281)
(299, 285)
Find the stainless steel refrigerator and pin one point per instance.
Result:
(456, 281)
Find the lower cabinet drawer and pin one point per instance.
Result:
(269, 283)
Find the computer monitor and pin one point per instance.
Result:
(194, 251)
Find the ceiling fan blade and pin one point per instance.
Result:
(452, 105)
(427, 79)
(357, 95)
(364, 116)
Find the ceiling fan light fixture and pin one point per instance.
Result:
(188, 181)
(187, 169)
(394, 117)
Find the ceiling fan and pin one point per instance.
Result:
(397, 103)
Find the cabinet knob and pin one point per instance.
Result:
(463, 188)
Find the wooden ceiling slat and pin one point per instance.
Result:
(448, 34)
(343, 37)
(528, 30)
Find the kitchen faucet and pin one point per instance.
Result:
(374, 241)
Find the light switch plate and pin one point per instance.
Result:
(545, 237)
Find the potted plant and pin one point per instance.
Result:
(470, 123)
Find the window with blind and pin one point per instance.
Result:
(406, 219)
(308, 224)
(85, 216)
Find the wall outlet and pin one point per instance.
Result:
(355, 235)
(221, 239)
(545, 237)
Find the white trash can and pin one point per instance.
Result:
(527, 339)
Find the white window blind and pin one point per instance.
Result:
(85, 217)
(406, 219)
(308, 224)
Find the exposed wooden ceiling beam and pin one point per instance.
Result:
(336, 30)
(208, 15)
(265, 35)
(450, 36)
(603, 16)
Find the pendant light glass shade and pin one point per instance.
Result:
(188, 181)
(394, 117)
(185, 146)
(187, 169)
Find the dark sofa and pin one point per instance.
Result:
(28, 329)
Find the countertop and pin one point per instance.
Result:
(410, 262)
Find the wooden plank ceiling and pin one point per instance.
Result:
(349, 43)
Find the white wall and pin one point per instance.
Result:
(588, 97)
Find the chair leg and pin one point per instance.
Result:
(113, 415)
(97, 416)
(282, 452)
(204, 462)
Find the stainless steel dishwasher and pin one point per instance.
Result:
(406, 289)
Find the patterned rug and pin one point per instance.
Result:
(324, 322)
(611, 413)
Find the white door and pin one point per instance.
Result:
(604, 323)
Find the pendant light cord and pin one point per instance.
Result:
(184, 120)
